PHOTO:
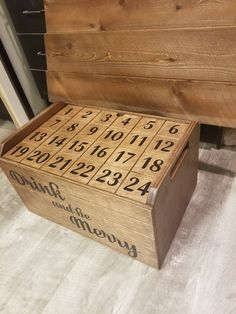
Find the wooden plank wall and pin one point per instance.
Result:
(157, 56)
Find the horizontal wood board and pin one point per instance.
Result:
(198, 54)
(104, 15)
(207, 102)
(181, 56)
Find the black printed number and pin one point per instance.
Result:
(38, 136)
(88, 113)
(72, 127)
(38, 157)
(106, 118)
(99, 151)
(57, 140)
(143, 189)
(115, 136)
(155, 166)
(149, 124)
(77, 146)
(166, 148)
(124, 156)
(20, 151)
(174, 129)
(113, 177)
(60, 160)
(80, 166)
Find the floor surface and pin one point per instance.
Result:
(47, 269)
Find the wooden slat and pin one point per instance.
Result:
(198, 54)
(136, 14)
(207, 102)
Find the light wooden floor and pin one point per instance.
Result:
(46, 269)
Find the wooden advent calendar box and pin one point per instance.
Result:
(121, 178)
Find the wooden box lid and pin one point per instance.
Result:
(152, 57)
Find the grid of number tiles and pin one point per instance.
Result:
(121, 153)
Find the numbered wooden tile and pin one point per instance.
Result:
(73, 126)
(124, 158)
(37, 137)
(19, 151)
(83, 170)
(137, 140)
(68, 112)
(53, 124)
(162, 145)
(57, 140)
(173, 129)
(59, 163)
(126, 121)
(87, 114)
(77, 146)
(151, 164)
(136, 187)
(113, 136)
(108, 178)
(92, 131)
(106, 117)
(99, 151)
(149, 125)
(38, 157)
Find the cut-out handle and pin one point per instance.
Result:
(179, 161)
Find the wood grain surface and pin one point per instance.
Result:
(45, 267)
(197, 54)
(136, 14)
(206, 102)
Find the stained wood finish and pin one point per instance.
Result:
(206, 102)
(105, 15)
(121, 159)
(198, 54)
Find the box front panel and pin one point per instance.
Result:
(48, 199)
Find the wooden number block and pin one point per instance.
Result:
(87, 114)
(83, 170)
(77, 145)
(150, 164)
(124, 158)
(54, 124)
(37, 137)
(149, 125)
(19, 151)
(106, 117)
(68, 112)
(162, 145)
(113, 136)
(59, 163)
(136, 187)
(92, 131)
(57, 140)
(173, 129)
(126, 121)
(108, 178)
(120, 178)
(99, 151)
(137, 140)
(38, 157)
(73, 126)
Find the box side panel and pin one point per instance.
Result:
(174, 195)
(47, 198)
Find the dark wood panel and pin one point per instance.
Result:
(40, 80)
(199, 54)
(27, 15)
(136, 14)
(206, 102)
(33, 46)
